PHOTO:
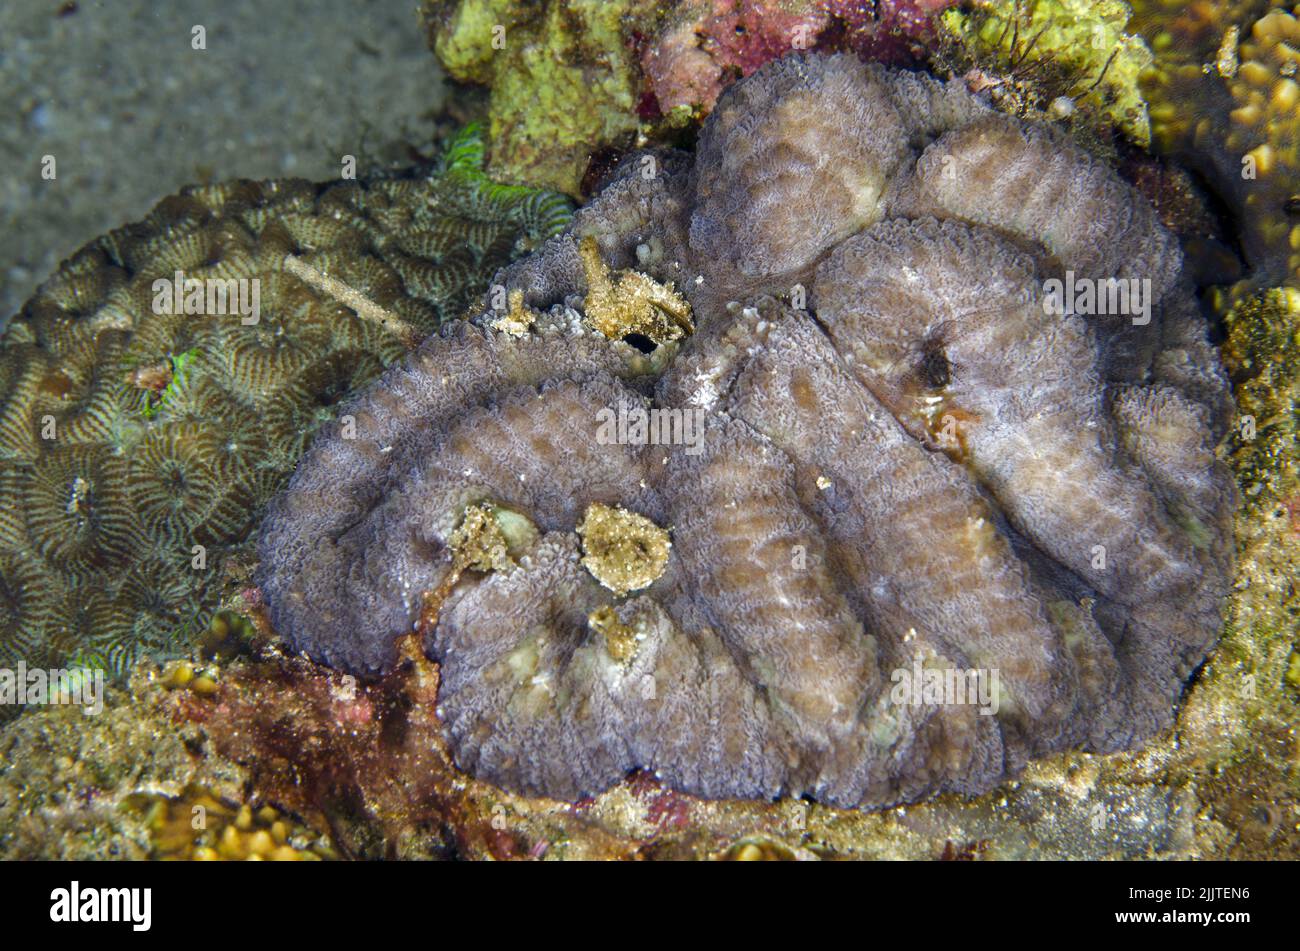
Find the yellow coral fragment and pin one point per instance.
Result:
(518, 320)
(488, 538)
(634, 304)
(624, 551)
(620, 639)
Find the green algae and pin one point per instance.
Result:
(464, 168)
(1077, 49)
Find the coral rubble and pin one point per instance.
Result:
(142, 428)
(888, 450)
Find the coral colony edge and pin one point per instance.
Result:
(880, 433)
(144, 429)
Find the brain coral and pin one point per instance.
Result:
(718, 557)
(130, 434)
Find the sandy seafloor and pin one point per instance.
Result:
(113, 90)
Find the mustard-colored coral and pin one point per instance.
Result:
(631, 302)
(1265, 128)
(488, 535)
(518, 320)
(1078, 51)
(564, 84)
(620, 639)
(1225, 98)
(624, 551)
(197, 826)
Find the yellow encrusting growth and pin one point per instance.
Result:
(489, 537)
(518, 320)
(624, 551)
(631, 303)
(620, 639)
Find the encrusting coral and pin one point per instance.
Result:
(139, 439)
(891, 452)
(560, 75)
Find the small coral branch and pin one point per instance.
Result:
(364, 307)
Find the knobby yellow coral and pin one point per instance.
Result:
(633, 303)
(1225, 99)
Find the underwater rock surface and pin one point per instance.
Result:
(903, 459)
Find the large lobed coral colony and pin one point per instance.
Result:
(775, 431)
(142, 429)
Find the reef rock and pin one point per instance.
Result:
(892, 520)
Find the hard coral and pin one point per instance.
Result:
(1225, 99)
(928, 471)
(132, 435)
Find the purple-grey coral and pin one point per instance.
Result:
(884, 451)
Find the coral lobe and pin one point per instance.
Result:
(921, 466)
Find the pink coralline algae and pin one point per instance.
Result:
(704, 45)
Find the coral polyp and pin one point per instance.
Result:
(142, 428)
(929, 490)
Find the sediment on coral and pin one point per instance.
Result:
(139, 439)
(888, 450)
